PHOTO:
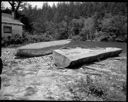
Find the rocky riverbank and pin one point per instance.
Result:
(37, 78)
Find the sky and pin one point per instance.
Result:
(39, 4)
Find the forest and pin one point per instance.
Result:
(95, 21)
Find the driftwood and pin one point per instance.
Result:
(76, 56)
(39, 49)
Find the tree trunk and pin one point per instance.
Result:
(13, 14)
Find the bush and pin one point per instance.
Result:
(98, 89)
(115, 27)
(76, 38)
(84, 34)
(4, 41)
(102, 36)
(36, 37)
(81, 89)
(14, 39)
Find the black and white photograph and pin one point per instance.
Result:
(63, 50)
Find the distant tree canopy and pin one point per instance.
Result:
(88, 20)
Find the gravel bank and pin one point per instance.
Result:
(37, 78)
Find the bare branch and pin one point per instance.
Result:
(15, 5)
(19, 3)
(10, 3)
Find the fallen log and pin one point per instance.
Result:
(76, 56)
(39, 49)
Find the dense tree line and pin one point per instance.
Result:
(77, 20)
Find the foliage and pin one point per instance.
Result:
(14, 39)
(115, 27)
(33, 38)
(26, 38)
(103, 21)
(98, 89)
(76, 38)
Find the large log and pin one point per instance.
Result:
(38, 49)
(76, 56)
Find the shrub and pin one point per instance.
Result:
(4, 41)
(76, 38)
(84, 34)
(14, 39)
(36, 37)
(99, 89)
(115, 27)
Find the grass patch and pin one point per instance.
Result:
(99, 89)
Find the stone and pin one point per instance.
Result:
(38, 49)
(76, 56)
